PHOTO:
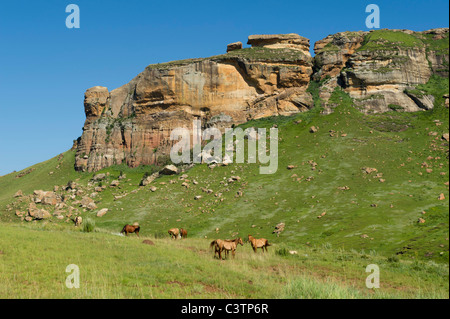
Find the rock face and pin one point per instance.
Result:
(132, 124)
(333, 52)
(380, 69)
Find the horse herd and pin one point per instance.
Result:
(220, 246)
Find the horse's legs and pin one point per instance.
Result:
(137, 233)
(233, 252)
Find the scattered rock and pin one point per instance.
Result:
(148, 179)
(85, 201)
(18, 193)
(91, 206)
(148, 242)
(313, 129)
(369, 170)
(114, 183)
(102, 212)
(278, 229)
(99, 177)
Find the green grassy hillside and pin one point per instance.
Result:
(362, 214)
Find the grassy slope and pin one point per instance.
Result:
(398, 144)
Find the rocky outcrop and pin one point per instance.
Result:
(280, 41)
(378, 68)
(333, 52)
(234, 46)
(132, 124)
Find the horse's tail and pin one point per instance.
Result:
(213, 243)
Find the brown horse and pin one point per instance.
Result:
(258, 243)
(183, 233)
(174, 233)
(128, 229)
(225, 245)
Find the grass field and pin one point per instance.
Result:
(34, 259)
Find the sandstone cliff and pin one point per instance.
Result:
(378, 70)
(132, 124)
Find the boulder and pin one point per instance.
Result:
(148, 179)
(41, 214)
(99, 177)
(114, 183)
(85, 201)
(46, 198)
(169, 170)
(234, 46)
(102, 212)
(18, 193)
(91, 206)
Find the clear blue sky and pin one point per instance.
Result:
(45, 68)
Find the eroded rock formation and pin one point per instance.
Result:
(379, 70)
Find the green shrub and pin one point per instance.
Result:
(393, 259)
(395, 107)
(282, 252)
(88, 225)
